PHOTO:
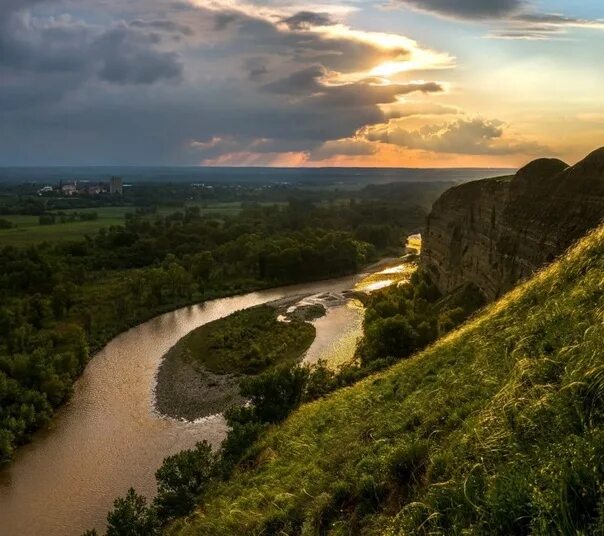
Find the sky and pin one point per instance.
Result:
(386, 83)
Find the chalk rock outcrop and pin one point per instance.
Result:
(495, 232)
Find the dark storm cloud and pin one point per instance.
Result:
(337, 53)
(303, 82)
(128, 58)
(468, 9)
(515, 18)
(307, 19)
(223, 20)
(310, 83)
(120, 54)
(9, 7)
(54, 110)
(163, 26)
(256, 67)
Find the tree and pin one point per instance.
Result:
(201, 265)
(181, 480)
(388, 337)
(275, 393)
(240, 438)
(131, 517)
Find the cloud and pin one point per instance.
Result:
(542, 26)
(313, 84)
(168, 26)
(410, 108)
(10, 7)
(353, 146)
(304, 20)
(223, 83)
(256, 67)
(516, 18)
(128, 58)
(465, 136)
(468, 9)
(121, 54)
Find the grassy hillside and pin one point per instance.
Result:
(495, 429)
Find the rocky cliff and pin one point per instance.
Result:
(495, 232)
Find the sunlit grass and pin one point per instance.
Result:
(495, 429)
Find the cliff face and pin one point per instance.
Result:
(495, 232)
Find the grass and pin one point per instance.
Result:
(495, 429)
(247, 341)
(28, 231)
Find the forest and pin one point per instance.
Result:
(62, 301)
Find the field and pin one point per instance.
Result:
(28, 231)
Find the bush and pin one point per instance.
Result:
(131, 517)
(182, 479)
(234, 448)
(274, 394)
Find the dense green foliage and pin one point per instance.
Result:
(402, 319)
(182, 479)
(495, 429)
(247, 342)
(59, 300)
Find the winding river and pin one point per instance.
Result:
(109, 437)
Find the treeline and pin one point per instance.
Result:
(60, 301)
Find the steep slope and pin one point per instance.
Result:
(495, 429)
(495, 232)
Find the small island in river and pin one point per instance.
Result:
(200, 375)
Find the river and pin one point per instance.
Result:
(109, 437)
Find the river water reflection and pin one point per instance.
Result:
(109, 436)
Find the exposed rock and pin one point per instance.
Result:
(495, 232)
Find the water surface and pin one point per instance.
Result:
(109, 437)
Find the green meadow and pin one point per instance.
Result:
(27, 230)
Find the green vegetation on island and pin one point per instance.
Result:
(246, 342)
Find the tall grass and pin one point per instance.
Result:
(495, 429)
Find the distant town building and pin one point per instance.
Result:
(93, 188)
(84, 187)
(116, 186)
(45, 190)
(70, 188)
